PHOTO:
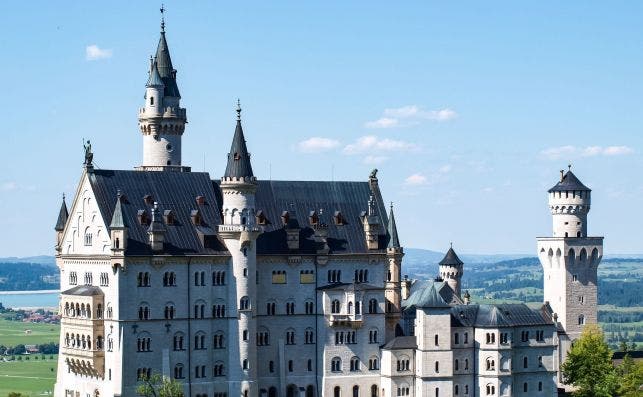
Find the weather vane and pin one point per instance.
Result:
(162, 17)
(238, 109)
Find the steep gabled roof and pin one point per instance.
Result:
(569, 182)
(401, 342)
(63, 215)
(451, 259)
(427, 297)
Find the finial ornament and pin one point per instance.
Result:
(569, 166)
(238, 109)
(162, 18)
(391, 205)
(451, 244)
(63, 196)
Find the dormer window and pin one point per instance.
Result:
(237, 157)
(339, 218)
(195, 215)
(168, 217)
(200, 200)
(285, 217)
(148, 199)
(313, 218)
(142, 217)
(261, 218)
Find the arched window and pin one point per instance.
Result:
(244, 303)
(245, 365)
(374, 391)
(199, 341)
(335, 306)
(336, 364)
(263, 337)
(290, 336)
(525, 362)
(354, 364)
(355, 391)
(218, 369)
(218, 341)
(337, 392)
(178, 371)
(581, 319)
(169, 311)
(437, 367)
(372, 306)
(350, 307)
(491, 364)
(178, 341)
(525, 387)
(372, 336)
(309, 336)
(143, 311)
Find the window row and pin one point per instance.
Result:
(354, 364)
(336, 307)
(271, 308)
(84, 342)
(281, 277)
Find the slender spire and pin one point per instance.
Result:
(155, 79)
(62, 216)
(239, 165)
(164, 63)
(118, 220)
(394, 241)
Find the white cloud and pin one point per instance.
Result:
(568, 151)
(411, 114)
(415, 180)
(9, 186)
(384, 122)
(374, 160)
(371, 143)
(94, 53)
(317, 144)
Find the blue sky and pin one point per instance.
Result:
(468, 109)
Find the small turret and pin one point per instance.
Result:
(63, 215)
(451, 270)
(569, 202)
(371, 223)
(239, 167)
(118, 228)
(156, 231)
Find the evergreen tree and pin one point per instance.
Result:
(630, 375)
(589, 365)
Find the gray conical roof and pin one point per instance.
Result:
(118, 222)
(394, 241)
(451, 258)
(238, 159)
(165, 68)
(63, 214)
(154, 80)
(569, 182)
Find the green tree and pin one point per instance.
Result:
(14, 394)
(630, 375)
(589, 365)
(159, 386)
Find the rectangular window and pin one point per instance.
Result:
(306, 277)
(279, 277)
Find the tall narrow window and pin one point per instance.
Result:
(151, 101)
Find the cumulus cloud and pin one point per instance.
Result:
(94, 53)
(408, 115)
(567, 151)
(371, 143)
(317, 144)
(415, 180)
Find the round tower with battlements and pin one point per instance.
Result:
(162, 120)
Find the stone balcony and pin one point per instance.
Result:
(345, 320)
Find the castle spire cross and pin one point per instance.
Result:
(238, 109)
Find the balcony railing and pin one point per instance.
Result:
(340, 320)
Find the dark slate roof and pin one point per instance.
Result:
(63, 214)
(401, 342)
(500, 315)
(301, 197)
(154, 80)
(118, 222)
(427, 297)
(451, 259)
(176, 191)
(420, 287)
(83, 290)
(394, 241)
(570, 182)
(238, 158)
(165, 68)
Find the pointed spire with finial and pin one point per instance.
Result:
(155, 79)
(164, 63)
(394, 241)
(118, 220)
(63, 215)
(239, 165)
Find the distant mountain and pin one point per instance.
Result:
(41, 259)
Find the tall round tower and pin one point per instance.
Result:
(239, 233)
(569, 202)
(162, 120)
(451, 270)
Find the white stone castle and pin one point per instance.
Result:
(245, 287)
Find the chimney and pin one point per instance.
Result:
(156, 231)
(406, 288)
(371, 222)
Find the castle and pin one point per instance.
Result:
(247, 287)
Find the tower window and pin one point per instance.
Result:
(151, 101)
(168, 147)
(169, 162)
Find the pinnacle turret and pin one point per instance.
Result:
(63, 214)
(118, 221)
(239, 165)
(394, 241)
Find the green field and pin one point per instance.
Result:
(31, 377)
(13, 333)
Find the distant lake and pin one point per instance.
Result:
(35, 299)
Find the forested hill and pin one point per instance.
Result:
(28, 276)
